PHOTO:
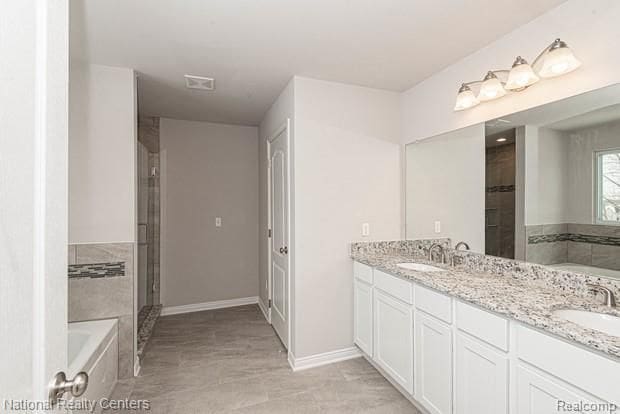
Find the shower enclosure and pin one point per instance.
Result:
(148, 227)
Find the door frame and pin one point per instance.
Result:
(286, 126)
(33, 172)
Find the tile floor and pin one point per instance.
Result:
(230, 361)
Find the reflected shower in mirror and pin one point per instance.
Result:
(542, 185)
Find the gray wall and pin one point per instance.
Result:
(208, 170)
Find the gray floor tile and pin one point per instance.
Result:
(231, 361)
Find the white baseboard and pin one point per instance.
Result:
(266, 311)
(218, 304)
(312, 361)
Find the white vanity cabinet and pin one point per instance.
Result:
(363, 307)
(433, 363)
(481, 380)
(393, 347)
(482, 362)
(538, 393)
(453, 357)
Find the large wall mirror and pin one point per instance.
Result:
(542, 185)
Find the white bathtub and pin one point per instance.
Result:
(93, 348)
(591, 270)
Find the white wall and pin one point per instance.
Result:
(347, 172)
(208, 170)
(587, 26)
(102, 154)
(445, 182)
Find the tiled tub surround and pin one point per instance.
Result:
(525, 292)
(93, 298)
(586, 244)
(95, 270)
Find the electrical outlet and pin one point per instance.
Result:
(365, 229)
(218, 222)
(438, 227)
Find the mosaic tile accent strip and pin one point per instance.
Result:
(97, 270)
(501, 189)
(579, 238)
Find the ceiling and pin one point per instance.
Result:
(253, 47)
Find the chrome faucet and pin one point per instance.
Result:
(456, 249)
(441, 250)
(463, 244)
(608, 294)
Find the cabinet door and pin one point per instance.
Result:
(481, 377)
(538, 393)
(393, 331)
(362, 313)
(433, 364)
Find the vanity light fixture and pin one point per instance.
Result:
(465, 98)
(521, 75)
(555, 60)
(491, 88)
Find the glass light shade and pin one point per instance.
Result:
(465, 99)
(521, 76)
(559, 61)
(491, 88)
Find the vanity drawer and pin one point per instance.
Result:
(483, 325)
(587, 370)
(362, 272)
(399, 288)
(433, 303)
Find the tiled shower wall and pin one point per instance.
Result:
(587, 244)
(101, 287)
(500, 201)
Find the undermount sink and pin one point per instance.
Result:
(419, 267)
(601, 322)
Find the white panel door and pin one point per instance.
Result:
(433, 364)
(362, 315)
(481, 384)
(393, 331)
(33, 196)
(538, 393)
(279, 241)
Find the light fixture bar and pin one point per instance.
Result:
(555, 60)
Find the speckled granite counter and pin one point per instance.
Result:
(524, 292)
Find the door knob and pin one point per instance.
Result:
(281, 250)
(59, 386)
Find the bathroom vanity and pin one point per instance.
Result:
(484, 336)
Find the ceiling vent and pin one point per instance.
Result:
(199, 82)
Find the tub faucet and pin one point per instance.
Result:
(441, 250)
(608, 294)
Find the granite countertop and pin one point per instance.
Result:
(518, 300)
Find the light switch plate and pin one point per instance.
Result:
(438, 227)
(365, 229)
(218, 222)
